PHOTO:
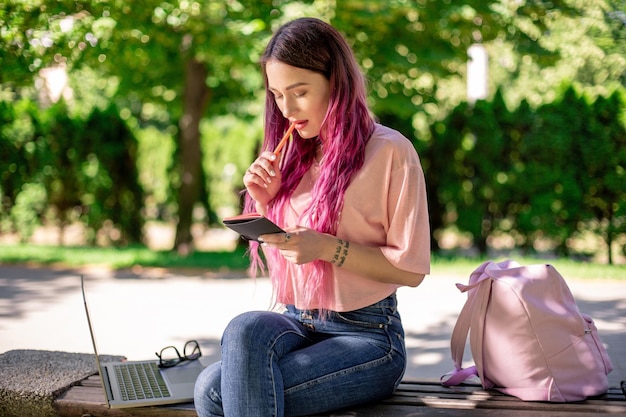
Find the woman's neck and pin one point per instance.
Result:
(319, 151)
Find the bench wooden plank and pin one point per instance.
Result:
(391, 410)
(413, 398)
(434, 395)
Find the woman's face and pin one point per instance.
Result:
(301, 95)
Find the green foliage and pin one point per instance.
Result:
(551, 194)
(12, 163)
(602, 170)
(26, 213)
(111, 191)
(148, 43)
(67, 169)
(483, 158)
(135, 54)
(60, 155)
(414, 53)
(154, 160)
(229, 146)
(532, 174)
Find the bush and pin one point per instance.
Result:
(69, 169)
(536, 174)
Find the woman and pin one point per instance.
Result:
(350, 195)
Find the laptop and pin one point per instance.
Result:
(143, 383)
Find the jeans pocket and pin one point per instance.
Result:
(362, 318)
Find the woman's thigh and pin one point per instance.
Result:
(338, 372)
(356, 357)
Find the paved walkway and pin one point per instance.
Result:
(136, 313)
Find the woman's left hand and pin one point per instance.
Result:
(300, 245)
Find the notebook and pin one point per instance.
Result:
(143, 383)
(251, 225)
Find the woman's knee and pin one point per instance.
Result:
(207, 392)
(251, 327)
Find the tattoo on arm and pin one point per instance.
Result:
(341, 252)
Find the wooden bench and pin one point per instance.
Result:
(413, 398)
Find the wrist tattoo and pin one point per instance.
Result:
(340, 252)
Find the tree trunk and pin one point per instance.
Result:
(195, 101)
(610, 234)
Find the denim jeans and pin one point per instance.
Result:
(298, 363)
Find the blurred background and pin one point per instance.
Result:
(131, 123)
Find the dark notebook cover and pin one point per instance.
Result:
(251, 225)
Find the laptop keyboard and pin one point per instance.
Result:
(139, 381)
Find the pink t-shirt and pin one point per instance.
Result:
(385, 205)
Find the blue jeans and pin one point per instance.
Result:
(296, 363)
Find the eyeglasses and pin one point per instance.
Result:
(170, 356)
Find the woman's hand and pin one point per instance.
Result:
(301, 245)
(263, 178)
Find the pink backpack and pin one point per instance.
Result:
(528, 338)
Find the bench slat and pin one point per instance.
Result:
(392, 410)
(473, 396)
(413, 398)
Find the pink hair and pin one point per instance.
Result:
(314, 45)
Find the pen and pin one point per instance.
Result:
(284, 139)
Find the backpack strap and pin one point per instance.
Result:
(461, 330)
(458, 376)
(478, 292)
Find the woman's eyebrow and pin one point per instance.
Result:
(291, 86)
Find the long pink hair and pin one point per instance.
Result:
(316, 46)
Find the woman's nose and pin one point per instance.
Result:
(288, 108)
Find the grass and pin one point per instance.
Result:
(567, 267)
(121, 258)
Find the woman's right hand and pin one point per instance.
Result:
(263, 178)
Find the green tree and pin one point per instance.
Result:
(484, 190)
(517, 125)
(549, 185)
(60, 153)
(601, 152)
(193, 58)
(110, 190)
(16, 136)
(442, 167)
(12, 157)
(414, 53)
(468, 170)
(174, 62)
(172, 57)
